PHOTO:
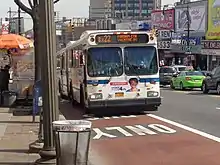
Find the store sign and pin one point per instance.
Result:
(192, 40)
(163, 20)
(206, 44)
(164, 44)
(197, 16)
(215, 52)
(213, 32)
(164, 34)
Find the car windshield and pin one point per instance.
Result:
(181, 68)
(194, 73)
(167, 70)
(140, 60)
(102, 62)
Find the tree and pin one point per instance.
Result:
(33, 11)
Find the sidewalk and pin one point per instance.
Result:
(16, 133)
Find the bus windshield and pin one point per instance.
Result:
(102, 62)
(140, 60)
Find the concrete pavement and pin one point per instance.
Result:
(181, 132)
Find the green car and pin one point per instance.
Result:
(187, 79)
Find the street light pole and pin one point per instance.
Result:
(49, 83)
(188, 27)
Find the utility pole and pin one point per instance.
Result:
(19, 20)
(49, 83)
(9, 19)
(188, 28)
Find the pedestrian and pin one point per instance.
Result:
(4, 83)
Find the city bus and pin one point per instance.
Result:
(111, 68)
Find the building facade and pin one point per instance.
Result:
(123, 9)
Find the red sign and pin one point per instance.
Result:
(118, 83)
(163, 20)
(5, 27)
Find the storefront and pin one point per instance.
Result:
(211, 49)
(189, 56)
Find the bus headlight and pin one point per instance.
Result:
(95, 96)
(152, 94)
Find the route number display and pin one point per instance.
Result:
(121, 38)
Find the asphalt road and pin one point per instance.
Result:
(149, 139)
(192, 108)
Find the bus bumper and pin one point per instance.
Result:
(124, 103)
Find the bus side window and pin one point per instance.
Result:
(63, 62)
(72, 59)
(81, 59)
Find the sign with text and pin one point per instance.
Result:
(213, 32)
(197, 16)
(163, 19)
(164, 44)
(210, 44)
(192, 40)
(129, 131)
(164, 34)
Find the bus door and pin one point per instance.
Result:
(63, 74)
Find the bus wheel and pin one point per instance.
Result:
(60, 90)
(71, 96)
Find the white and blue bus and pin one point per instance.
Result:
(111, 69)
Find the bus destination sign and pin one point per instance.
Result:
(122, 38)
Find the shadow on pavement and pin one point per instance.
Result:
(15, 150)
(18, 122)
(201, 94)
(15, 163)
(75, 112)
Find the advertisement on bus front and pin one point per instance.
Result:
(213, 32)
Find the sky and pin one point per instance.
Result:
(68, 8)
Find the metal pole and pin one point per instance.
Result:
(19, 20)
(9, 19)
(188, 28)
(50, 98)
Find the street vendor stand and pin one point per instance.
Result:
(20, 56)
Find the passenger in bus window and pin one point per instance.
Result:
(133, 83)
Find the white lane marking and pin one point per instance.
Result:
(217, 108)
(195, 131)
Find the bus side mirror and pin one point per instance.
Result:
(81, 60)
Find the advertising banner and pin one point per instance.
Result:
(197, 16)
(213, 32)
(163, 20)
(5, 27)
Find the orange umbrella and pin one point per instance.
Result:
(14, 41)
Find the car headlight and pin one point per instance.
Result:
(95, 96)
(152, 94)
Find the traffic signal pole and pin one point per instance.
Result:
(188, 27)
(49, 83)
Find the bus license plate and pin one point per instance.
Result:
(120, 94)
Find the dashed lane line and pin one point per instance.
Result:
(218, 108)
(195, 131)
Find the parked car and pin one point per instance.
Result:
(166, 73)
(187, 79)
(206, 73)
(179, 68)
(212, 81)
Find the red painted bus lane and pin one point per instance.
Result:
(144, 140)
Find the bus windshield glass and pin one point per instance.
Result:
(140, 60)
(104, 62)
